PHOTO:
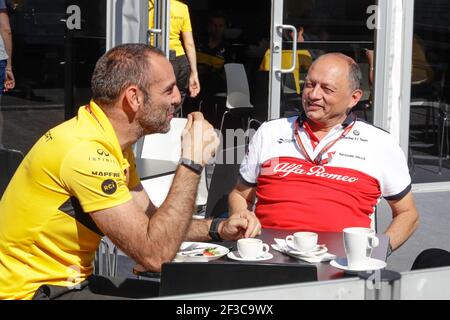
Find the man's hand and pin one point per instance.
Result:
(194, 85)
(243, 224)
(199, 140)
(10, 82)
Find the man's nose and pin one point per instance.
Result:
(176, 97)
(316, 92)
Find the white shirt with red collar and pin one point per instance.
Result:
(294, 192)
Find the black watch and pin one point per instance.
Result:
(197, 168)
(214, 229)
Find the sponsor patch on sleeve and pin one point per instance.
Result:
(109, 186)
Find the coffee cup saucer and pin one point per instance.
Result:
(372, 264)
(318, 250)
(234, 255)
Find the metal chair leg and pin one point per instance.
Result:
(223, 118)
(114, 262)
(247, 132)
(441, 147)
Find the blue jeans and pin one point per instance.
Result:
(2, 75)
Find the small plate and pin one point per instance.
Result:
(374, 264)
(194, 255)
(234, 255)
(319, 249)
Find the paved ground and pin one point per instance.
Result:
(433, 230)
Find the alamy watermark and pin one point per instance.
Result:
(372, 21)
(73, 21)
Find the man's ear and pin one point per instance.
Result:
(356, 96)
(133, 97)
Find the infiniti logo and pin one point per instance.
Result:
(102, 152)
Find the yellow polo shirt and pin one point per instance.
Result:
(46, 233)
(179, 22)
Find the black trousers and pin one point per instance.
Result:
(100, 288)
(432, 258)
(182, 71)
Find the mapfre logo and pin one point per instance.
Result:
(109, 186)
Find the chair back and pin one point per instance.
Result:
(223, 180)
(167, 146)
(10, 159)
(238, 92)
(164, 146)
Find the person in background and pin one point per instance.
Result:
(182, 48)
(57, 208)
(213, 52)
(303, 36)
(7, 81)
(325, 170)
(421, 74)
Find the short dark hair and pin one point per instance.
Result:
(120, 67)
(354, 75)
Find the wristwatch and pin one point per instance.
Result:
(188, 163)
(214, 229)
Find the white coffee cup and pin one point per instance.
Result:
(250, 248)
(358, 245)
(303, 241)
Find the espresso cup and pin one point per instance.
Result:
(358, 245)
(250, 248)
(303, 241)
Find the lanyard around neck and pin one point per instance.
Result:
(318, 159)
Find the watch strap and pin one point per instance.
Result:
(196, 167)
(214, 229)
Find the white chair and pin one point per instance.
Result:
(167, 147)
(105, 261)
(238, 93)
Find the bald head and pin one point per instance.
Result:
(354, 75)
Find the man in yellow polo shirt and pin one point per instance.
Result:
(182, 47)
(79, 182)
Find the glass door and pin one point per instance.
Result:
(429, 104)
(159, 24)
(55, 47)
(303, 30)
